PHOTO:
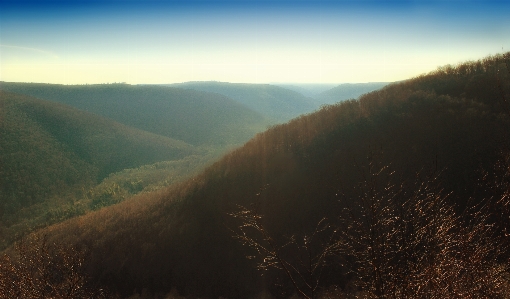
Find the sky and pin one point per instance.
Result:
(279, 41)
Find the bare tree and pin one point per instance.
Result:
(302, 259)
(406, 241)
(399, 240)
(38, 269)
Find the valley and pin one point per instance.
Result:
(161, 191)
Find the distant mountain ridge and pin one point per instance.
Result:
(194, 117)
(272, 101)
(347, 91)
(307, 89)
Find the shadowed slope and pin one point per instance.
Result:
(295, 174)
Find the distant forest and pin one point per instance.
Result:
(70, 149)
(402, 192)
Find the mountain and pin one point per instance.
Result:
(51, 151)
(452, 123)
(347, 91)
(194, 117)
(307, 89)
(276, 103)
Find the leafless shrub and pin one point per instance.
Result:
(398, 240)
(38, 269)
(407, 241)
(302, 259)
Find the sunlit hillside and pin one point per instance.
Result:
(404, 190)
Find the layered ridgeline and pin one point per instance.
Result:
(52, 153)
(195, 117)
(347, 91)
(58, 161)
(277, 103)
(452, 123)
(310, 90)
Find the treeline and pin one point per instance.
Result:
(406, 184)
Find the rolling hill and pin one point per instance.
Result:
(53, 152)
(195, 117)
(308, 89)
(277, 103)
(347, 91)
(452, 123)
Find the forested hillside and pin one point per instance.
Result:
(195, 117)
(277, 103)
(402, 192)
(53, 152)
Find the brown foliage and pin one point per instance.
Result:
(304, 171)
(397, 239)
(37, 269)
(407, 241)
(302, 259)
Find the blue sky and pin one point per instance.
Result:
(158, 41)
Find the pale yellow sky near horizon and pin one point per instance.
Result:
(318, 46)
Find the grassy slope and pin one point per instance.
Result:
(274, 102)
(191, 116)
(454, 120)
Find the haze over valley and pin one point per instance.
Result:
(234, 149)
